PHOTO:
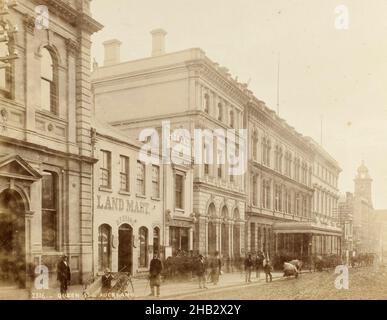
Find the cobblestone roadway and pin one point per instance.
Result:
(364, 283)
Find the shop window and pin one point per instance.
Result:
(143, 233)
(49, 210)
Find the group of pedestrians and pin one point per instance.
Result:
(260, 262)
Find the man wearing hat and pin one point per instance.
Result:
(63, 275)
(155, 269)
(201, 270)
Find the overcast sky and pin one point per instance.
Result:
(340, 75)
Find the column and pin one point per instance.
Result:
(190, 235)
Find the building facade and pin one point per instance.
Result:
(286, 215)
(357, 211)
(46, 158)
(190, 92)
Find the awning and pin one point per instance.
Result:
(305, 227)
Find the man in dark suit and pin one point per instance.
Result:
(63, 275)
(155, 269)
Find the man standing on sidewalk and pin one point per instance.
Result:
(201, 269)
(63, 276)
(267, 267)
(248, 267)
(155, 270)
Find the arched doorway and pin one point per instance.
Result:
(12, 240)
(224, 232)
(104, 247)
(125, 248)
(211, 229)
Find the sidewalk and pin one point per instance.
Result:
(169, 289)
(176, 289)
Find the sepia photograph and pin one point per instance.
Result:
(193, 150)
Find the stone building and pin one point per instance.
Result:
(366, 233)
(287, 173)
(45, 151)
(191, 92)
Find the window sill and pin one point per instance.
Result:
(179, 210)
(142, 196)
(105, 189)
(124, 193)
(156, 198)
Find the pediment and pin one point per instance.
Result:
(14, 166)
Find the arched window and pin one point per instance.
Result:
(143, 233)
(220, 111)
(104, 247)
(48, 81)
(206, 103)
(156, 240)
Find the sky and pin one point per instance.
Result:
(330, 69)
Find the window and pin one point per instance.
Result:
(255, 191)
(143, 233)
(156, 240)
(140, 178)
(124, 173)
(232, 119)
(155, 181)
(49, 210)
(179, 179)
(206, 103)
(220, 112)
(48, 81)
(104, 247)
(266, 194)
(255, 146)
(4, 71)
(105, 169)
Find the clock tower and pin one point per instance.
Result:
(363, 183)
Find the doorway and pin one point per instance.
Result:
(125, 248)
(12, 240)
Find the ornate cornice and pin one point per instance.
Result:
(72, 15)
(201, 68)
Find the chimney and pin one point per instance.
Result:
(158, 42)
(112, 52)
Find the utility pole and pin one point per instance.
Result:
(278, 85)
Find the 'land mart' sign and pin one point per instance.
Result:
(118, 204)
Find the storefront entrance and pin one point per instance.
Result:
(12, 240)
(125, 248)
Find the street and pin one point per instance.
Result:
(364, 283)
